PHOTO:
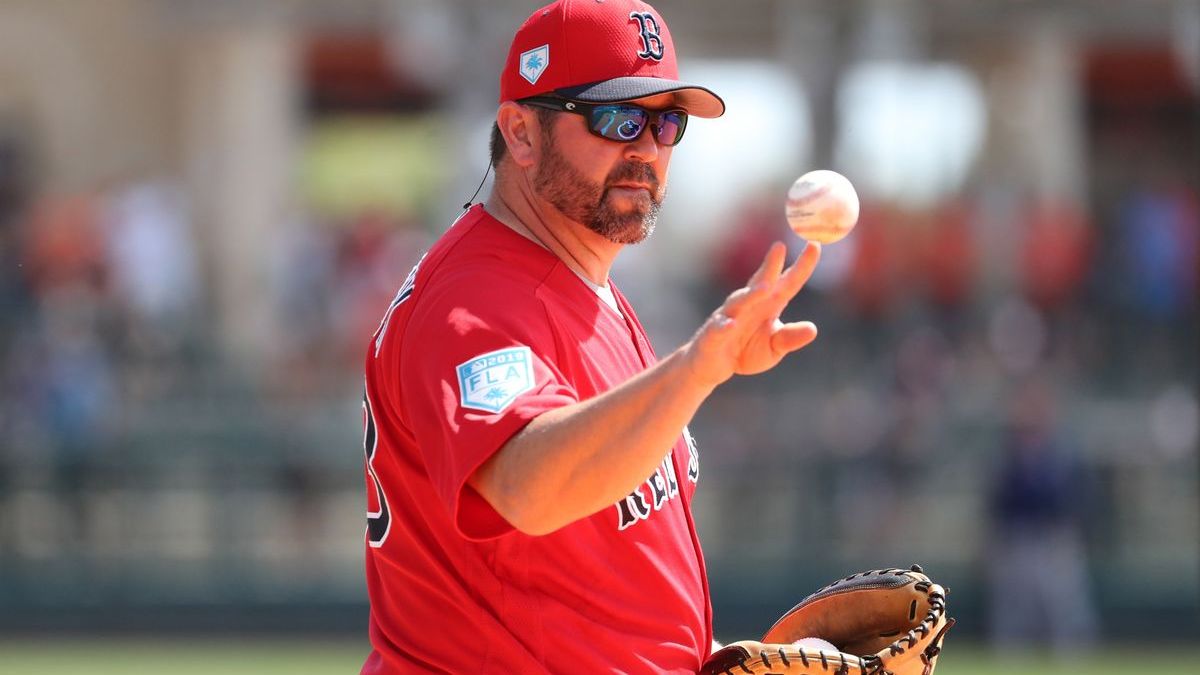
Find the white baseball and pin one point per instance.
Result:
(822, 206)
(815, 643)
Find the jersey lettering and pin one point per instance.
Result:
(658, 487)
(662, 486)
(672, 481)
(693, 470)
(379, 516)
(632, 509)
(405, 292)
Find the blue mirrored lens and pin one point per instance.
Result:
(620, 123)
(670, 128)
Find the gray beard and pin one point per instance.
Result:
(586, 202)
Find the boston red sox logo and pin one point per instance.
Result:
(652, 44)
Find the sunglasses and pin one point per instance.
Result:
(620, 122)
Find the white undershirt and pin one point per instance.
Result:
(605, 292)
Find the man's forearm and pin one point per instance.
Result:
(573, 461)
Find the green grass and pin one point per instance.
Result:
(181, 657)
(1175, 660)
(328, 657)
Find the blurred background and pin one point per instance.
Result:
(206, 206)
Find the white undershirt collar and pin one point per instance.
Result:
(605, 292)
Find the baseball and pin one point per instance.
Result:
(822, 206)
(814, 643)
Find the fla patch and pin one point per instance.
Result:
(492, 381)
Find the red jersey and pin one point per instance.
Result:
(489, 331)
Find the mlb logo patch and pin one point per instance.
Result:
(492, 381)
(534, 62)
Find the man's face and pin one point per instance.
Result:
(614, 189)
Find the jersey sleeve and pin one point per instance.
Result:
(479, 363)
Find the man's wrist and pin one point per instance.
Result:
(698, 374)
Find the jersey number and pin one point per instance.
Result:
(379, 520)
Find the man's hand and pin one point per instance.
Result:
(745, 336)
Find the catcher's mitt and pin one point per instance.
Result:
(883, 622)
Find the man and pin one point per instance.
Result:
(529, 474)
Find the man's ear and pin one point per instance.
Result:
(519, 126)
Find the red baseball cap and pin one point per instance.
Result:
(599, 51)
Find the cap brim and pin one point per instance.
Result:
(697, 100)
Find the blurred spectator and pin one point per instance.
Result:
(1056, 253)
(333, 281)
(80, 404)
(1040, 592)
(875, 283)
(303, 275)
(153, 260)
(948, 257)
(1159, 234)
(64, 245)
(61, 370)
(374, 253)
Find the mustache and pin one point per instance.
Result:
(638, 172)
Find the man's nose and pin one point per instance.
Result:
(644, 148)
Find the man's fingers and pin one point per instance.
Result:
(737, 302)
(762, 283)
(799, 273)
(792, 336)
(771, 266)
